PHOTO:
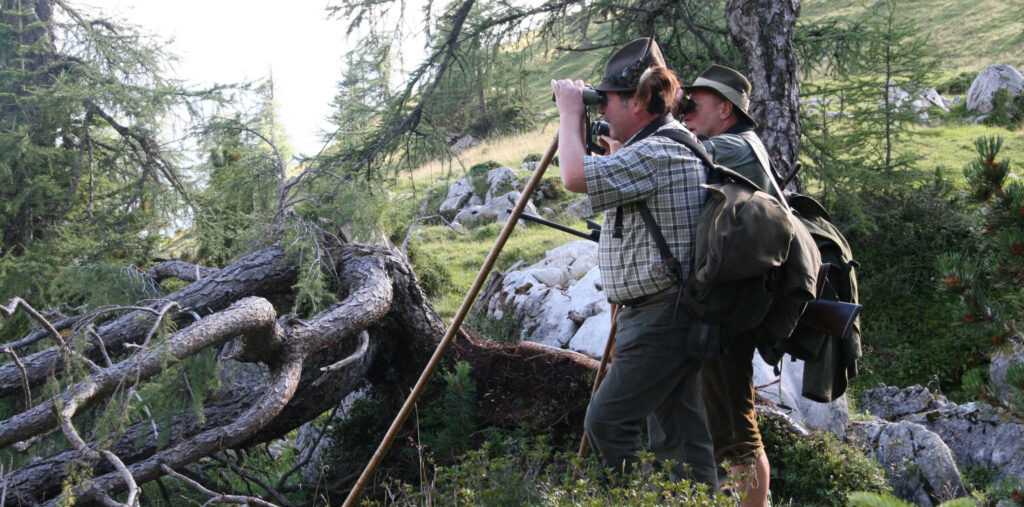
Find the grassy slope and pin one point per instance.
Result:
(967, 35)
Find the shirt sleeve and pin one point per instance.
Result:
(626, 176)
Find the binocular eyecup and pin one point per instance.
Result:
(685, 106)
(592, 97)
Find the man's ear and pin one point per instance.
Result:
(727, 109)
(635, 106)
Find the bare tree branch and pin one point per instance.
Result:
(39, 334)
(251, 478)
(215, 497)
(64, 415)
(262, 273)
(250, 316)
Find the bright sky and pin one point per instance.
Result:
(235, 40)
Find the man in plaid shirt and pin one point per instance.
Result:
(655, 373)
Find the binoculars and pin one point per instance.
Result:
(685, 107)
(592, 97)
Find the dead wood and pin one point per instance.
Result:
(263, 273)
(384, 300)
(381, 327)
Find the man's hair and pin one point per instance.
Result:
(656, 90)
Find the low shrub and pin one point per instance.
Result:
(1007, 109)
(958, 84)
(517, 471)
(819, 469)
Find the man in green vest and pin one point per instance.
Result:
(721, 97)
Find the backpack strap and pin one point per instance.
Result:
(668, 259)
(698, 149)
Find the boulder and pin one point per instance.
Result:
(500, 181)
(978, 436)
(890, 402)
(990, 80)
(556, 298)
(458, 195)
(918, 464)
(465, 205)
(920, 100)
(495, 210)
(1001, 362)
(464, 143)
(580, 209)
(784, 391)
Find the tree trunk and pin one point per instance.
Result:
(303, 377)
(263, 273)
(762, 31)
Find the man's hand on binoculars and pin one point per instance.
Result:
(568, 97)
(610, 145)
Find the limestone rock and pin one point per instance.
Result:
(990, 80)
(890, 402)
(464, 143)
(978, 436)
(550, 298)
(918, 464)
(919, 101)
(1001, 362)
(458, 194)
(495, 210)
(784, 391)
(580, 209)
(500, 181)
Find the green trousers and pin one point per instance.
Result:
(653, 376)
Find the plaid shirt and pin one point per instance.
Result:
(667, 176)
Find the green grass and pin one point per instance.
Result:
(967, 36)
(952, 146)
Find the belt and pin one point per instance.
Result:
(672, 290)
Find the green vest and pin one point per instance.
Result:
(744, 153)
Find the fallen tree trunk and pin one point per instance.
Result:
(263, 273)
(382, 331)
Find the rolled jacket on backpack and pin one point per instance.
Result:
(744, 234)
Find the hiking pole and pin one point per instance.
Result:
(608, 347)
(453, 328)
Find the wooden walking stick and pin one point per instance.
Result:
(453, 328)
(609, 346)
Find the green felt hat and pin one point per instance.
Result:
(728, 83)
(624, 68)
